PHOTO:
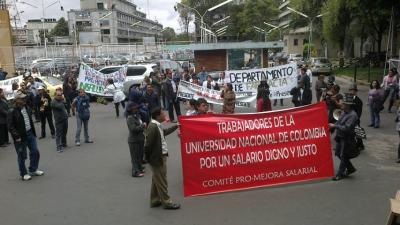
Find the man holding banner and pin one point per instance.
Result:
(156, 153)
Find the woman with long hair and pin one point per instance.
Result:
(263, 101)
(375, 102)
(229, 99)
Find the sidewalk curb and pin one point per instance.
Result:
(349, 79)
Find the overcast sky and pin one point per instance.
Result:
(162, 10)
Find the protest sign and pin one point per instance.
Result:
(188, 90)
(281, 79)
(223, 153)
(6, 85)
(94, 82)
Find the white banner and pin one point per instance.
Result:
(6, 85)
(94, 82)
(281, 79)
(188, 90)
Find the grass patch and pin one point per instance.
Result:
(362, 73)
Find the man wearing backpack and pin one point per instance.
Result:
(80, 107)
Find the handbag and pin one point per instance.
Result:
(360, 132)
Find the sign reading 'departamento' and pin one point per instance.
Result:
(223, 153)
(281, 79)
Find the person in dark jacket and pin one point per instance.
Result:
(61, 120)
(345, 135)
(43, 102)
(357, 107)
(156, 153)
(22, 130)
(170, 90)
(4, 141)
(136, 138)
(151, 99)
(301, 95)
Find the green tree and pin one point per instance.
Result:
(253, 13)
(61, 29)
(336, 24)
(168, 34)
(185, 16)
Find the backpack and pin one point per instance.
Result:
(82, 106)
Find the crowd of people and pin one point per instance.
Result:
(144, 113)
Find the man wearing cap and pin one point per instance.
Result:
(43, 102)
(22, 130)
(345, 136)
(357, 107)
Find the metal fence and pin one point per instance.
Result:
(24, 55)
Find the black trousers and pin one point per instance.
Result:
(117, 107)
(4, 134)
(61, 134)
(344, 159)
(174, 103)
(47, 115)
(136, 150)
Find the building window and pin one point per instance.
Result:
(100, 6)
(241, 59)
(295, 42)
(104, 23)
(105, 31)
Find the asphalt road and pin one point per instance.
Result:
(91, 185)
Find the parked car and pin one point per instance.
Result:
(298, 58)
(320, 66)
(50, 83)
(134, 76)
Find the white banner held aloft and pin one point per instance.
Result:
(6, 85)
(281, 79)
(188, 90)
(94, 82)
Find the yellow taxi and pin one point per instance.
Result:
(50, 83)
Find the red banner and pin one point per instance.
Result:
(223, 153)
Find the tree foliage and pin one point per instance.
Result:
(168, 34)
(253, 13)
(61, 29)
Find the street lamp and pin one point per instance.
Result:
(311, 20)
(259, 30)
(219, 5)
(210, 32)
(202, 24)
(43, 19)
(105, 16)
(221, 20)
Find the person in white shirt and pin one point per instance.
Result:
(118, 94)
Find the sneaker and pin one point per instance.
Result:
(77, 143)
(37, 173)
(26, 177)
(89, 141)
(59, 150)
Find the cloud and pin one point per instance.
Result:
(162, 10)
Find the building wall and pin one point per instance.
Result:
(6, 49)
(34, 28)
(115, 28)
(213, 60)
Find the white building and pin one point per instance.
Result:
(34, 27)
(112, 21)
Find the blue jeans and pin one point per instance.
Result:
(34, 154)
(375, 118)
(79, 128)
